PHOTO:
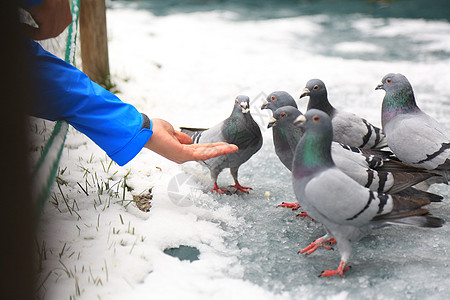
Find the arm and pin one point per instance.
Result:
(178, 147)
(51, 16)
(62, 92)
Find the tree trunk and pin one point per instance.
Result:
(94, 41)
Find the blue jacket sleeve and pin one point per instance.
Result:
(29, 3)
(62, 92)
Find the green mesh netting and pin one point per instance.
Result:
(45, 170)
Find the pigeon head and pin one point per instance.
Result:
(284, 116)
(315, 121)
(394, 82)
(399, 98)
(318, 97)
(242, 104)
(314, 88)
(313, 152)
(278, 99)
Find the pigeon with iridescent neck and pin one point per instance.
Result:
(239, 129)
(367, 168)
(348, 128)
(347, 210)
(415, 138)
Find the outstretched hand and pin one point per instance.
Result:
(177, 146)
(51, 16)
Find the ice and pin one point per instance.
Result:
(187, 65)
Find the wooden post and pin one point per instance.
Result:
(94, 41)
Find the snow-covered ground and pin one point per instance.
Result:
(94, 243)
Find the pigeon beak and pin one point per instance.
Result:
(245, 107)
(272, 122)
(300, 120)
(306, 92)
(379, 87)
(265, 104)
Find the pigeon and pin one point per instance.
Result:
(413, 136)
(239, 129)
(278, 99)
(282, 148)
(347, 210)
(348, 128)
(367, 167)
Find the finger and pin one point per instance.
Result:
(183, 138)
(210, 152)
(213, 150)
(210, 145)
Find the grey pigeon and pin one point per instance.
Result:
(348, 128)
(278, 99)
(367, 167)
(415, 138)
(347, 210)
(239, 129)
(283, 150)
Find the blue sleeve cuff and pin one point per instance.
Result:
(130, 150)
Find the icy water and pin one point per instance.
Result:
(351, 45)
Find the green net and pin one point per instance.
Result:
(46, 168)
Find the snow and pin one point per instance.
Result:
(188, 68)
(357, 47)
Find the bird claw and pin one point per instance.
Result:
(316, 244)
(219, 190)
(340, 270)
(302, 214)
(241, 188)
(294, 205)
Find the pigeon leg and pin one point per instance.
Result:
(340, 270)
(219, 190)
(345, 249)
(303, 214)
(214, 175)
(237, 186)
(320, 242)
(241, 188)
(293, 205)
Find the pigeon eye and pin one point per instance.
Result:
(283, 115)
(273, 98)
(388, 80)
(316, 118)
(316, 87)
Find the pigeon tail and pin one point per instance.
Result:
(193, 133)
(413, 192)
(403, 180)
(421, 221)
